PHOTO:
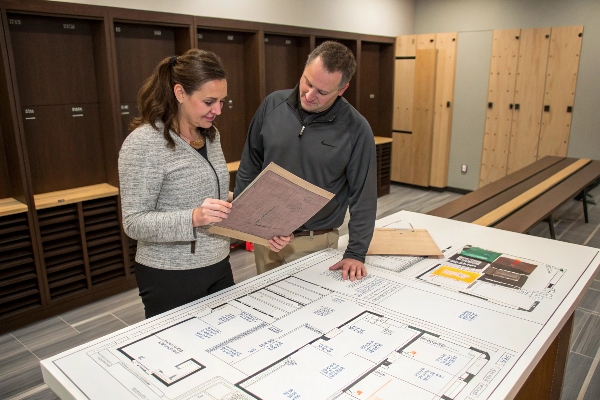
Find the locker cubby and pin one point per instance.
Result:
(384, 163)
(376, 94)
(19, 284)
(62, 250)
(142, 40)
(285, 58)
(103, 239)
(238, 51)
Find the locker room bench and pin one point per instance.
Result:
(540, 186)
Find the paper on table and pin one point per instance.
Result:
(403, 242)
(276, 203)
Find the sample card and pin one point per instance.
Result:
(276, 203)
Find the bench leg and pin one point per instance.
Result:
(584, 201)
(551, 226)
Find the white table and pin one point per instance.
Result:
(423, 328)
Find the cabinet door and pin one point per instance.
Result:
(529, 95)
(563, 65)
(138, 48)
(402, 157)
(64, 146)
(446, 44)
(404, 88)
(501, 93)
(233, 122)
(423, 107)
(285, 57)
(54, 59)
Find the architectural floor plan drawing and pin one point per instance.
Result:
(456, 328)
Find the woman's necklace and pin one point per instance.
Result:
(197, 144)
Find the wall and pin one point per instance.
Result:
(478, 18)
(375, 17)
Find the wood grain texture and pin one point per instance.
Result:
(75, 195)
(406, 46)
(446, 45)
(529, 95)
(503, 71)
(404, 92)
(529, 195)
(563, 66)
(10, 206)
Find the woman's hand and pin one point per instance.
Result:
(211, 211)
(279, 242)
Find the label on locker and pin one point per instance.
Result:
(29, 114)
(124, 109)
(77, 111)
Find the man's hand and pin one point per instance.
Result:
(351, 268)
(279, 242)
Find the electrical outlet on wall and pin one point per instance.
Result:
(463, 168)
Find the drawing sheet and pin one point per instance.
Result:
(423, 328)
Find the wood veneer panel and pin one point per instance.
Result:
(404, 91)
(466, 202)
(503, 72)
(423, 116)
(285, 57)
(446, 45)
(563, 66)
(139, 49)
(54, 59)
(406, 46)
(529, 96)
(64, 147)
(370, 85)
(232, 123)
(402, 157)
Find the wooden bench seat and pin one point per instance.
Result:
(475, 205)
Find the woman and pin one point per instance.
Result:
(174, 183)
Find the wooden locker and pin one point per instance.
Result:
(529, 95)
(423, 110)
(404, 91)
(563, 66)
(139, 48)
(234, 50)
(402, 157)
(406, 46)
(446, 45)
(503, 71)
(285, 57)
(77, 161)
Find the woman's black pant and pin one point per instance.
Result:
(162, 290)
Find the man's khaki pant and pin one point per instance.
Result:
(300, 246)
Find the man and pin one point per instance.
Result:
(313, 132)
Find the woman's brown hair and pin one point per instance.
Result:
(156, 99)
